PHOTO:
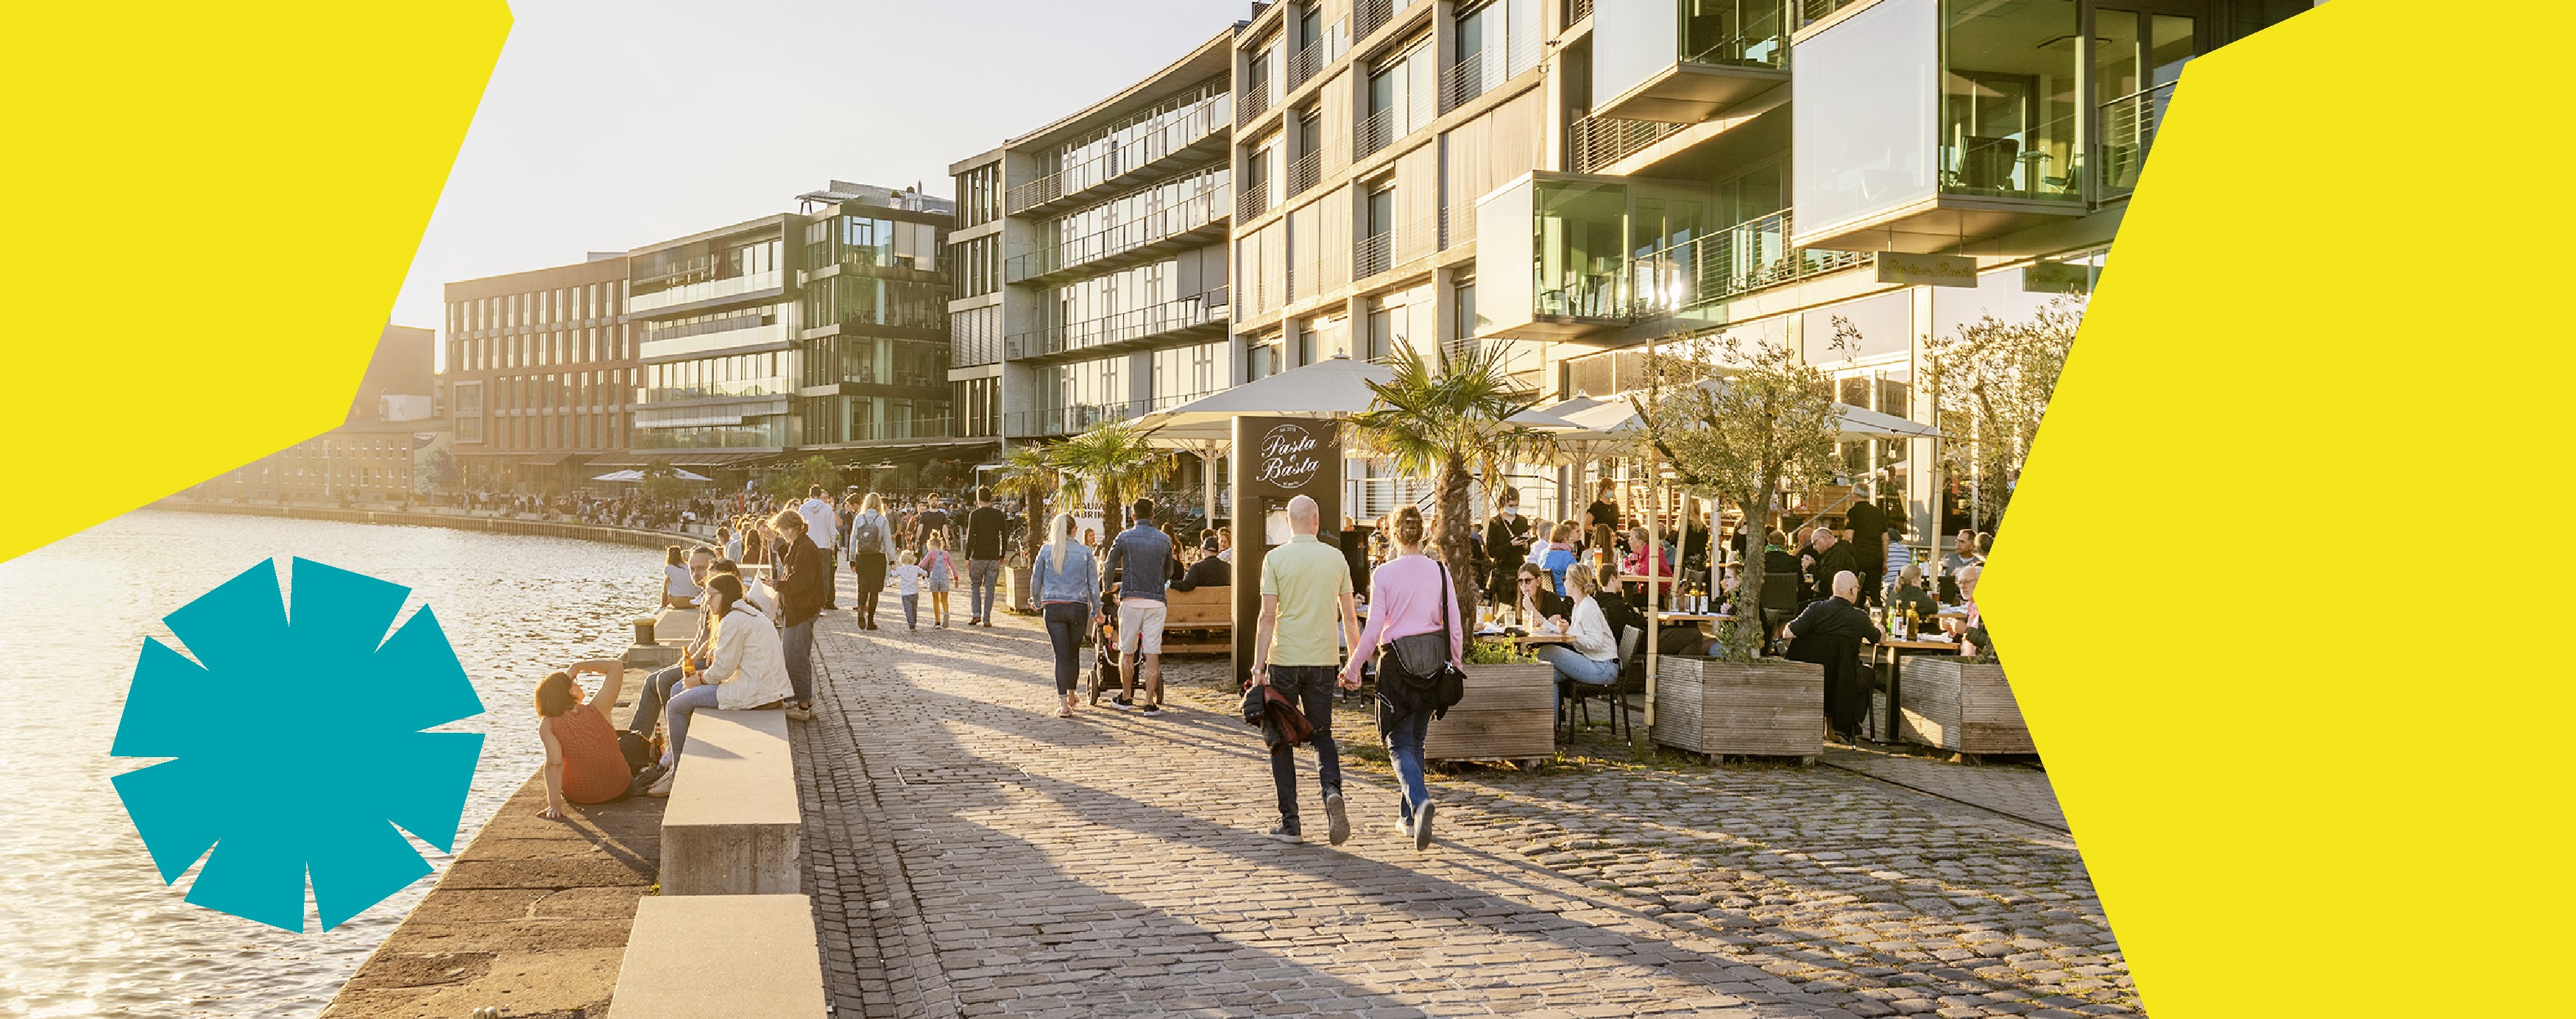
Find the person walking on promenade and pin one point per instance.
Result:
(871, 551)
(908, 577)
(1067, 580)
(938, 572)
(1141, 559)
(984, 529)
(1306, 615)
(803, 576)
(821, 526)
(1414, 629)
(583, 761)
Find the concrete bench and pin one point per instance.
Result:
(709, 956)
(1208, 609)
(732, 826)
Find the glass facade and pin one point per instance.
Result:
(2008, 101)
(871, 300)
(1863, 107)
(769, 374)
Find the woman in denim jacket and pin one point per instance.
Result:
(1068, 585)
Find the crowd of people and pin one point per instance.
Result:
(1335, 608)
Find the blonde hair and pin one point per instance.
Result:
(1063, 531)
(906, 558)
(937, 542)
(1578, 577)
(870, 504)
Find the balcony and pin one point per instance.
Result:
(1685, 61)
(704, 290)
(1597, 142)
(1576, 11)
(1478, 73)
(1254, 201)
(1197, 316)
(1567, 257)
(2126, 131)
(1067, 420)
(1184, 140)
(1335, 41)
(1257, 100)
(1919, 135)
(1195, 220)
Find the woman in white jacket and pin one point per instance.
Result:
(1593, 660)
(747, 668)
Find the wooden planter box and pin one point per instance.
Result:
(1015, 593)
(1773, 707)
(1508, 713)
(1948, 702)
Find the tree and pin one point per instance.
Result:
(791, 484)
(1449, 417)
(1994, 380)
(1113, 456)
(1769, 424)
(1029, 475)
(662, 482)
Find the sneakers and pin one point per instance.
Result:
(1422, 825)
(1287, 831)
(1153, 710)
(1338, 821)
(1121, 703)
(799, 714)
(662, 785)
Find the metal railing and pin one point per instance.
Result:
(1370, 15)
(2128, 130)
(1375, 131)
(1373, 255)
(1576, 11)
(1305, 172)
(1475, 76)
(1196, 122)
(1723, 264)
(1812, 11)
(1153, 320)
(1335, 41)
(1252, 201)
(1457, 223)
(1396, 247)
(1207, 206)
(1256, 101)
(1600, 141)
(1068, 420)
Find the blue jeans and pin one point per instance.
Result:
(1064, 623)
(982, 576)
(1310, 687)
(648, 704)
(798, 642)
(911, 611)
(1404, 735)
(684, 704)
(1572, 667)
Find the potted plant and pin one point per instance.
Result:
(1743, 423)
(1449, 418)
(1508, 712)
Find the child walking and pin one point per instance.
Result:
(907, 577)
(936, 563)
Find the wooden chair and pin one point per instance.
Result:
(1632, 679)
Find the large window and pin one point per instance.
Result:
(1863, 109)
(1402, 97)
(468, 398)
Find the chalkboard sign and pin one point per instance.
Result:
(1275, 460)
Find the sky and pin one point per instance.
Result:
(611, 124)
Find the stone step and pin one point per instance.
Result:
(716, 956)
(733, 826)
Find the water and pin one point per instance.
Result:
(86, 926)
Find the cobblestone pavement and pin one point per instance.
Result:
(971, 854)
(2016, 789)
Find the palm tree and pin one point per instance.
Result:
(1029, 475)
(1115, 458)
(1449, 417)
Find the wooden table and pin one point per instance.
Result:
(1884, 655)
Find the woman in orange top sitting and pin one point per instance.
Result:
(583, 762)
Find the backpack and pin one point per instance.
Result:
(867, 533)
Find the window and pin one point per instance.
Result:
(469, 411)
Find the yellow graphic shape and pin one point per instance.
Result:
(2281, 590)
(210, 208)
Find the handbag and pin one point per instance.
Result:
(1423, 678)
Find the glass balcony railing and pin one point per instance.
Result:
(1686, 60)
(1724, 264)
(691, 293)
(757, 335)
(1178, 131)
(1169, 316)
(2127, 130)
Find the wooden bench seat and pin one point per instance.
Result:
(1198, 622)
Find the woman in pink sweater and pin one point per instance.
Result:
(1413, 628)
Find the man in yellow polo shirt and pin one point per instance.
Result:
(1306, 619)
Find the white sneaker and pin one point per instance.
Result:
(797, 714)
(662, 786)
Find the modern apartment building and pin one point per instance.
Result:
(819, 330)
(1575, 180)
(539, 371)
(1092, 263)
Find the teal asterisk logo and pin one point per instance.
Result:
(296, 745)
